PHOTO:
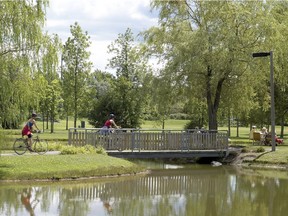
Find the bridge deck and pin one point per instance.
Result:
(168, 154)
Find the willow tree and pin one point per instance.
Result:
(206, 44)
(280, 48)
(75, 69)
(20, 36)
(47, 67)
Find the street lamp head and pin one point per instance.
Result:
(260, 54)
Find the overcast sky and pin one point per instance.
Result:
(102, 19)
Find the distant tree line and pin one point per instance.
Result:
(205, 71)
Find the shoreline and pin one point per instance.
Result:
(249, 160)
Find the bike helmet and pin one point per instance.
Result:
(111, 116)
(34, 114)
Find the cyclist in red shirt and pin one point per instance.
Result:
(110, 123)
(27, 129)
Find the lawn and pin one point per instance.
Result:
(54, 167)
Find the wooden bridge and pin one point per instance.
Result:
(144, 143)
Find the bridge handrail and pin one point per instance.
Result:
(150, 139)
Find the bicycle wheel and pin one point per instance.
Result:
(40, 146)
(19, 146)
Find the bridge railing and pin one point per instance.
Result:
(146, 139)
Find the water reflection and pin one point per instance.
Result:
(194, 191)
(28, 200)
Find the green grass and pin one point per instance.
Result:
(280, 156)
(49, 167)
(172, 124)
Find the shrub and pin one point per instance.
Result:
(54, 146)
(192, 125)
(69, 150)
(260, 149)
(100, 150)
(180, 116)
(244, 150)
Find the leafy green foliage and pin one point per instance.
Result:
(209, 58)
(121, 95)
(75, 69)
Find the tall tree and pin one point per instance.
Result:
(75, 69)
(20, 38)
(215, 44)
(131, 68)
(280, 48)
(47, 66)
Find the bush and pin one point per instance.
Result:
(54, 146)
(192, 125)
(69, 150)
(244, 150)
(260, 149)
(179, 116)
(100, 150)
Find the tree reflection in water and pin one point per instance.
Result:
(200, 190)
(27, 200)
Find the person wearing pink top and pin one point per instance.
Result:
(109, 124)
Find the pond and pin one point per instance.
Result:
(190, 190)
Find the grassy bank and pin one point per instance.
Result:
(278, 157)
(55, 167)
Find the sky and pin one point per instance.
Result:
(104, 20)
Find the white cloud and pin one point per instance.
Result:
(102, 19)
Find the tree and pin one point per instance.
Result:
(130, 68)
(20, 38)
(47, 66)
(75, 69)
(101, 94)
(215, 44)
(279, 41)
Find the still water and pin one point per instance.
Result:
(169, 190)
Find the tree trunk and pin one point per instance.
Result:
(75, 92)
(237, 135)
(229, 123)
(213, 105)
(282, 125)
(212, 114)
(47, 121)
(67, 121)
(52, 124)
(43, 122)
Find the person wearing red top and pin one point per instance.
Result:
(110, 123)
(27, 129)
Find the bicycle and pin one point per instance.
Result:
(111, 139)
(21, 145)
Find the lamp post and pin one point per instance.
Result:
(264, 54)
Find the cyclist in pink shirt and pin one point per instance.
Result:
(27, 129)
(109, 124)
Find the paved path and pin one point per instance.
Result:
(32, 153)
